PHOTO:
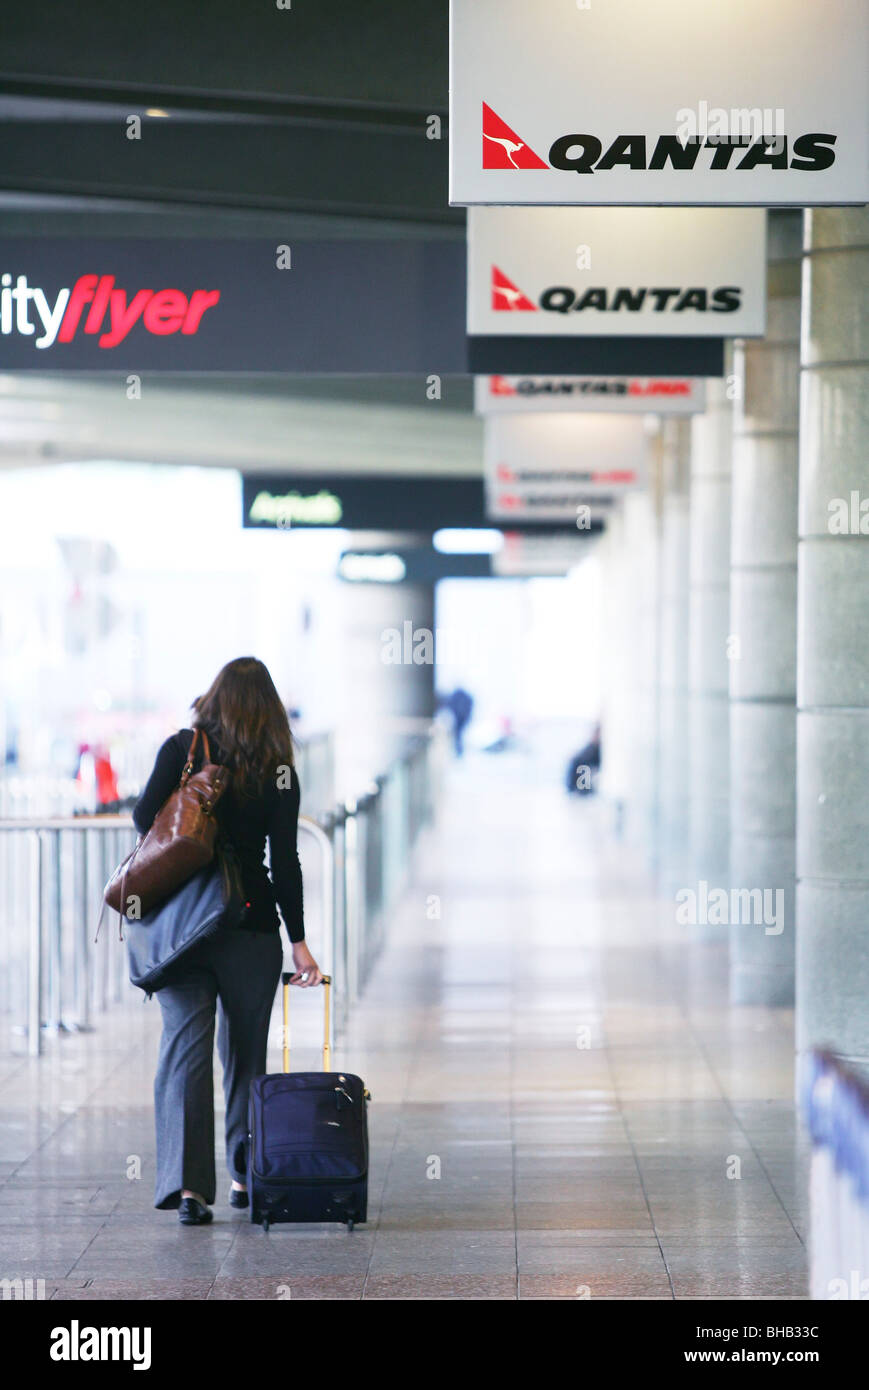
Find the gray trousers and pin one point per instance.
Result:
(235, 974)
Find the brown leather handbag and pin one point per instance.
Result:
(179, 843)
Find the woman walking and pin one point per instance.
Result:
(235, 973)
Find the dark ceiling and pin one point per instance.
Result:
(384, 53)
(316, 109)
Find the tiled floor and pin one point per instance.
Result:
(565, 1105)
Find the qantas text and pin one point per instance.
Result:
(585, 154)
(561, 299)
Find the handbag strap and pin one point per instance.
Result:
(123, 869)
(191, 754)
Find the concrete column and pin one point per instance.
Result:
(674, 842)
(763, 627)
(833, 639)
(615, 774)
(711, 451)
(382, 686)
(641, 547)
(630, 716)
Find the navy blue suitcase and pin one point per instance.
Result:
(307, 1147)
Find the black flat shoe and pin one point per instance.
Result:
(238, 1199)
(193, 1213)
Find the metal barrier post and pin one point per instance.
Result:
(336, 823)
(102, 860)
(327, 869)
(351, 897)
(81, 942)
(34, 950)
(55, 958)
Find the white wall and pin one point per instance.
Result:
(115, 643)
(527, 649)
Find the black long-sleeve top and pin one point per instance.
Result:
(243, 822)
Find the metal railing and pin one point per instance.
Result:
(53, 873)
(835, 1104)
(55, 978)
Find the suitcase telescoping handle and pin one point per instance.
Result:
(286, 976)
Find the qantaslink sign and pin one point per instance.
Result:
(627, 102)
(632, 395)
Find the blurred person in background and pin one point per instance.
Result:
(584, 765)
(96, 776)
(461, 706)
(235, 973)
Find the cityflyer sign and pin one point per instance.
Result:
(631, 103)
(500, 395)
(652, 272)
(190, 305)
(97, 305)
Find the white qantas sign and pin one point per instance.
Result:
(630, 102)
(510, 395)
(544, 466)
(608, 272)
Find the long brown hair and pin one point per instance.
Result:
(243, 712)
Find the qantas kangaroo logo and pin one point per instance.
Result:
(503, 148)
(506, 295)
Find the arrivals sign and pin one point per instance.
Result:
(549, 467)
(631, 103)
(651, 272)
(500, 395)
(361, 501)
